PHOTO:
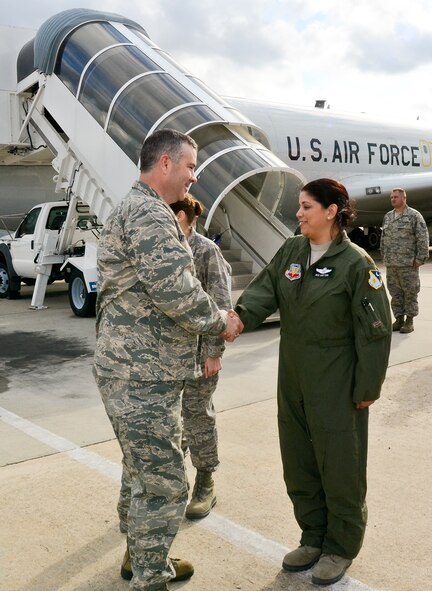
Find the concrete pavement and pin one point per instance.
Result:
(60, 466)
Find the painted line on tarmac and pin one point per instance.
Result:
(264, 548)
(237, 535)
(81, 455)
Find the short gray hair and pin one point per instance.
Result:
(164, 141)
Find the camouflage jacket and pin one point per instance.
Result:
(214, 273)
(404, 238)
(150, 305)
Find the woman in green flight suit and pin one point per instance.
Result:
(335, 342)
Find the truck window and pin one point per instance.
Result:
(27, 226)
(56, 218)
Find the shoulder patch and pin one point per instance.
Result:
(375, 279)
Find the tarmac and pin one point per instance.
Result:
(60, 466)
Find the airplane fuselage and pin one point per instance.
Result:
(370, 156)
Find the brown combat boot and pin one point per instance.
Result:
(399, 322)
(408, 325)
(329, 569)
(302, 558)
(183, 569)
(203, 496)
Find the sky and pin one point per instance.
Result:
(372, 56)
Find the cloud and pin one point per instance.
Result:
(292, 51)
(235, 32)
(401, 50)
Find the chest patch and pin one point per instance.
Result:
(324, 272)
(375, 280)
(293, 272)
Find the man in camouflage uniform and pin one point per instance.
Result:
(404, 247)
(199, 415)
(150, 308)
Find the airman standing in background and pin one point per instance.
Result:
(404, 247)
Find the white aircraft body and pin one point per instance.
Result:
(369, 155)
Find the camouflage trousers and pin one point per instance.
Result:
(199, 423)
(403, 284)
(146, 418)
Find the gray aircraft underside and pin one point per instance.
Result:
(22, 187)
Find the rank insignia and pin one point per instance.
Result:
(294, 272)
(375, 280)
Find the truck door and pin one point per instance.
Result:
(25, 247)
(22, 247)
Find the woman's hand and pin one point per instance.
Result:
(364, 403)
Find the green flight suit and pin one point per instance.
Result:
(335, 341)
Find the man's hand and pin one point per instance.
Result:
(234, 326)
(212, 366)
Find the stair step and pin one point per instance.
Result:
(231, 254)
(241, 281)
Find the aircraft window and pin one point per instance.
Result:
(140, 105)
(28, 224)
(81, 45)
(56, 218)
(220, 173)
(188, 118)
(107, 74)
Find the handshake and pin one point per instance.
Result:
(234, 326)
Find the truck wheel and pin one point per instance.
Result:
(82, 302)
(373, 239)
(4, 281)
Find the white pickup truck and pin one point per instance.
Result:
(33, 246)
